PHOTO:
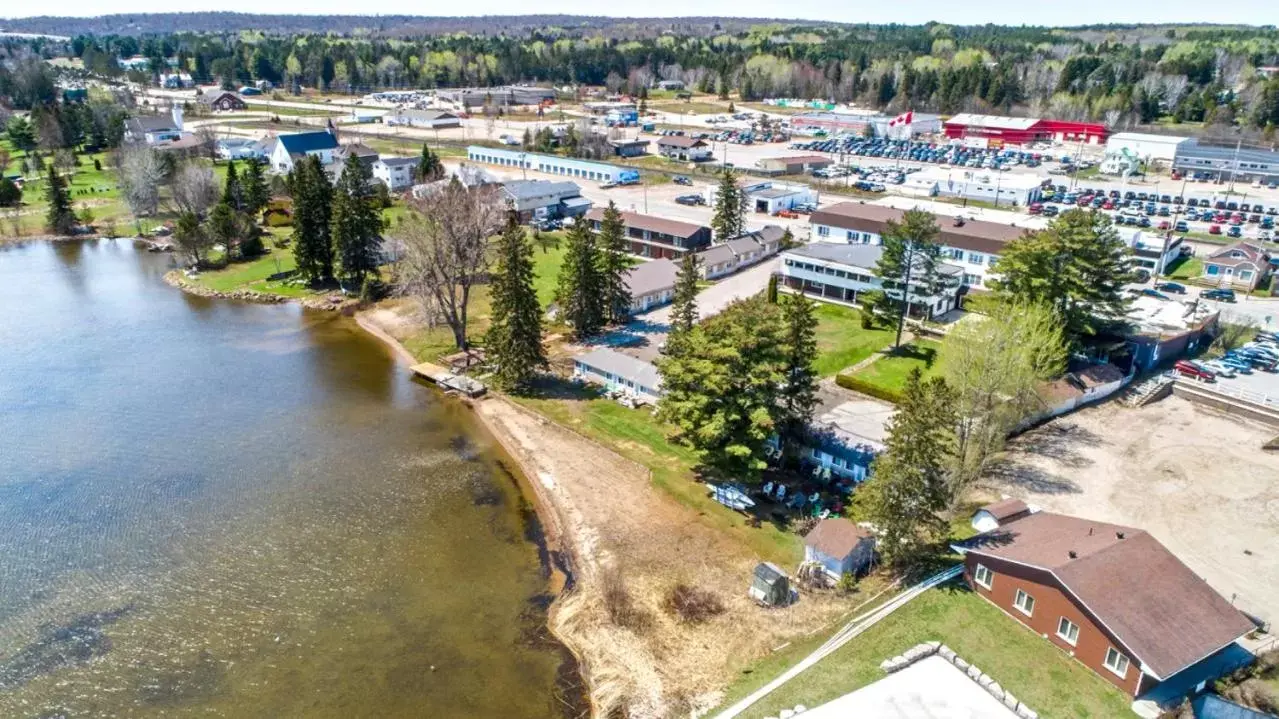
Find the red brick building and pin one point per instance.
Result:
(1112, 597)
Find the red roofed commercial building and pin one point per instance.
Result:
(999, 130)
(1113, 598)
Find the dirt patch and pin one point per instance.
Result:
(1197, 480)
(604, 511)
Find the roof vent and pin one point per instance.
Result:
(1119, 535)
(1074, 554)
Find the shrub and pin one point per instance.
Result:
(691, 604)
(277, 218)
(617, 600)
(848, 381)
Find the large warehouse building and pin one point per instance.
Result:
(1148, 147)
(856, 123)
(999, 130)
(550, 164)
(1227, 163)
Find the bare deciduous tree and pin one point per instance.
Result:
(207, 137)
(446, 243)
(195, 189)
(995, 365)
(141, 173)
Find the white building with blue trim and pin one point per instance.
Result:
(552, 165)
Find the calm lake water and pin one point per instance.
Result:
(221, 509)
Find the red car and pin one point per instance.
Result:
(1035, 208)
(1165, 225)
(1214, 230)
(1107, 205)
(1194, 371)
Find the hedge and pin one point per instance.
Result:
(848, 381)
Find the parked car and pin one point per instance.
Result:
(681, 180)
(1236, 364)
(1219, 368)
(1234, 231)
(1220, 295)
(1194, 371)
(691, 200)
(1172, 287)
(1214, 230)
(1181, 226)
(788, 214)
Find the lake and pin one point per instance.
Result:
(217, 508)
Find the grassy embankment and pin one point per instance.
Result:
(1030, 667)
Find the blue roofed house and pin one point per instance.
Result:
(293, 147)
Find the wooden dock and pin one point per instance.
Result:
(449, 381)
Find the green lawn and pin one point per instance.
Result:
(1185, 268)
(252, 275)
(1030, 667)
(841, 341)
(890, 372)
(637, 435)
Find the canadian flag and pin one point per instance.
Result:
(902, 119)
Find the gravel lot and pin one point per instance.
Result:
(1198, 481)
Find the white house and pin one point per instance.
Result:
(395, 172)
(840, 547)
(293, 147)
(239, 148)
(683, 148)
(618, 372)
(842, 273)
(973, 246)
(651, 284)
(1147, 147)
(155, 129)
(1153, 252)
(740, 252)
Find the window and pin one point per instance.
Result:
(971, 279)
(983, 576)
(1025, 603)
(975, 258)
(823, 231)
(850, 235)
(1068, 631)
(1116, 662)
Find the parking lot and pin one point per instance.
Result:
(1198, 480)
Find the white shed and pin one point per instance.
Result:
(997, 514)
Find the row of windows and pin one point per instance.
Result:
(824, 270)
(543, 167)
(1067, 630)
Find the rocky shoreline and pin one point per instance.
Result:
(329, 303)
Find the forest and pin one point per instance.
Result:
(1126, 76)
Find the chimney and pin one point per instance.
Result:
(1119, 535)
(1073, 554)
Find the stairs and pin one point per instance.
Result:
(1148, 391)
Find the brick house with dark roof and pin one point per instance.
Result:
(973, 245)
(1112, 597)
(650, 236)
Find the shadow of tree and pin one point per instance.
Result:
(1030, 478)
(1059, 441)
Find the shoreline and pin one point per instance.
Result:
(325, 303)
(564, 580)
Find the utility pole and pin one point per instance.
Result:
(1234, 163)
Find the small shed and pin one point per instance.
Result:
(996, 515)
(770, 586)
(839, 546)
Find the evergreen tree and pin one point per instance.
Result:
(911, 259)
(60, 218)
(1078, 266)
(357, 224)
(223, 226)
(191, 238)
(514, 340)
(614, 265)
(429, 167)
(720, 389)
(908, 483)
(312, 198)
(728, 220)
(684, 303)
(254, 188)
(772, 291)
(579, 293)
(232, 194)
(799, 393)
(10, 194)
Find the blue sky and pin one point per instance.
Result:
(1007, 12)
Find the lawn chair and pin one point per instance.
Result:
(781, 492)
(768, 489)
